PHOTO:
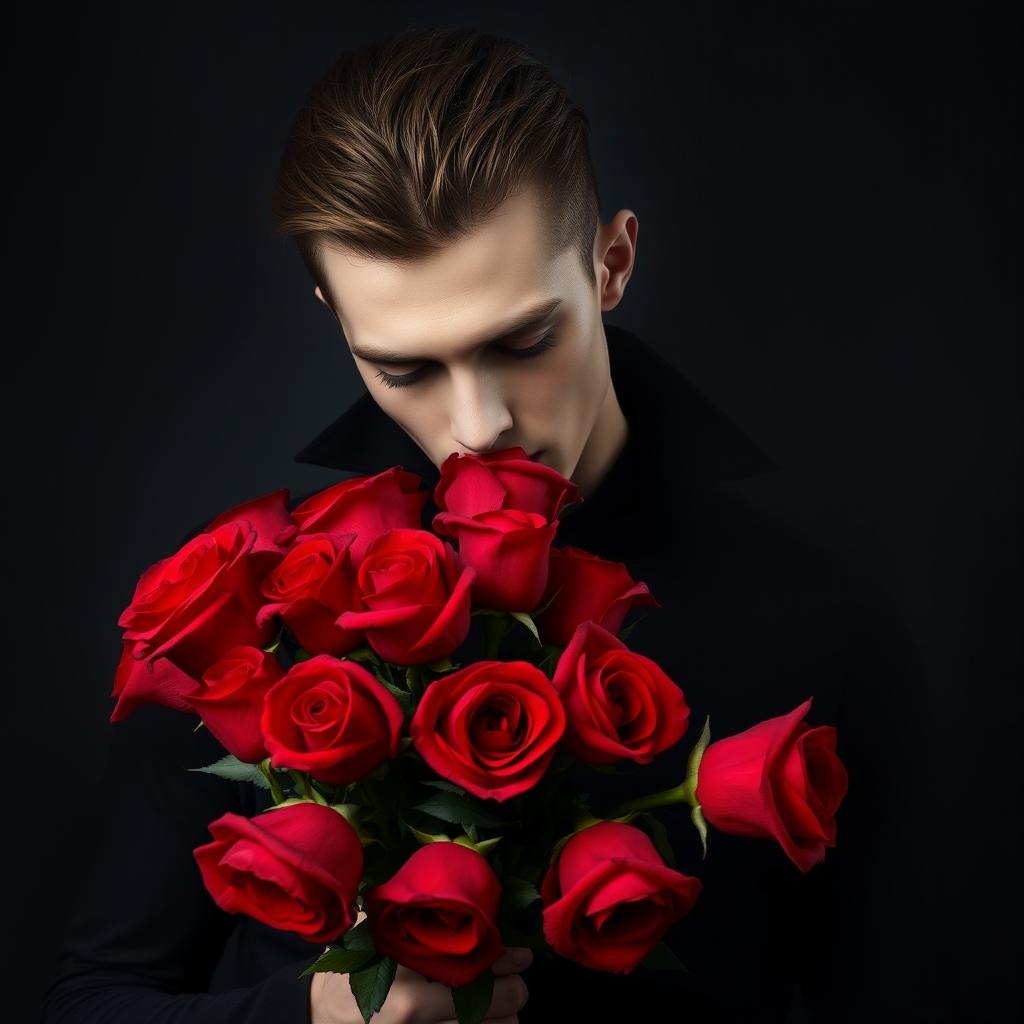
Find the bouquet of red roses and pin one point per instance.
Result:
(424, 811)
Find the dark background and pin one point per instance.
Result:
(827, 247)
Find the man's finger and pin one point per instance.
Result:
(513, 960)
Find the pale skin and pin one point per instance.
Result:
(414, 999)
(438, 318)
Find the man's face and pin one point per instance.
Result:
(434, 324)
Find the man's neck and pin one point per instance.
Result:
(604, 445)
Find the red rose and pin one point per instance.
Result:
(619, 703)
(437, 914)
(504, 479)
(491, 727)
(138, 681)
(231, 701)
(509, 551)
(191, 607)
(295, 868)
(201, 601)
(609, 898)
(332, 719)
(309, 588)
(366, 506)
(781, 780)
(267, 515)
(416, 593)
(589, 588)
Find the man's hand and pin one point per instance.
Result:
(414, 999)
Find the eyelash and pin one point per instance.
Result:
(406, 379)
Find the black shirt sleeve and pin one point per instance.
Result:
(144, 936)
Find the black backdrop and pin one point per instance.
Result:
(826, 246)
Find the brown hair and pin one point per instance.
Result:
(412, 141)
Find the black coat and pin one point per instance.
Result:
(755, 618)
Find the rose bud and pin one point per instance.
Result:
(781, 780)
(200, 602)
(294, 868)
(619, 704)
(609, 898)
(509, 551)
(437, 914)
(230, 702)
(587, 588)
(148, 681)
(504, 479)
(309, 588)
(416, 594)
(367, 506)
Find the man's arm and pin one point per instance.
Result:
(144, 935)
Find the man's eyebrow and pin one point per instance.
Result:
(521, 324)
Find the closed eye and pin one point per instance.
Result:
(404, 380)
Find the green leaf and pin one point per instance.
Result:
(459, 810)
(343, 961)
(233, 770)
(661, 958)
(441, 665)
(626, 630)
(274, 644)
(371, 985)
(517, 893)
(550, 658)
(301, 655)
(359, 938)
(493, 629)
(403, 697)
(427, 837)
(472, 1001)
(527, 620)
(536, 612)
(449, 787)
(363, 653)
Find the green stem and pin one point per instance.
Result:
(305, 787)
(494, 628)
(681, 794)
(271, 777)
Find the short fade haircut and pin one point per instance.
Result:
(411, 142)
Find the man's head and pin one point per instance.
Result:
(440, 189)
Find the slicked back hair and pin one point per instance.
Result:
(414, 140)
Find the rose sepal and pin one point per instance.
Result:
(684, 793)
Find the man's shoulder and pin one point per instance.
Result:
(781, 554)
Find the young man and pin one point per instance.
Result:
(439, 188)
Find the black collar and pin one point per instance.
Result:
(671, 424)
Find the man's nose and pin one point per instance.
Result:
(479, 414)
